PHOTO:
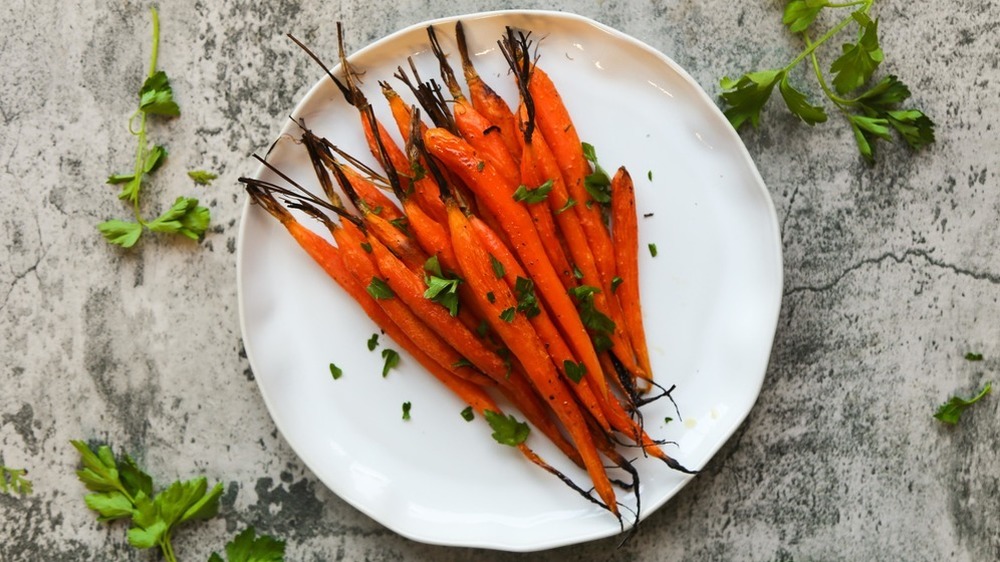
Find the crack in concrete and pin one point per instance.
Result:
(977, 275)
(788, 211)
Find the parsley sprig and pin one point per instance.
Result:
(14, 481)
(872, 113)
(951, 411)
(185, 216)
(121, 490)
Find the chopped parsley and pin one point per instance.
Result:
(335, 371)
(951, 411)
(467, 414)
(373, 342)
(406, 410)
(537, 195)
(508, 314)
(498, 269)
(391, 357)
(506, 429)
(652, 250)
(574, 371)
(526, 300)
(379, 289)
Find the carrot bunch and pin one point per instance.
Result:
(504, 262)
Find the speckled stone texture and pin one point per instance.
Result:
(891, 272)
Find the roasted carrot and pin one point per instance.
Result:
(486, 101)
(547, 331)
(521, 338)
(625, 236)
(480, 176)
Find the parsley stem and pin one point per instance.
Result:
(837, 100)
(140, 153)
(167, 548)
(826, 36)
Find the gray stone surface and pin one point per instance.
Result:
(891, 271)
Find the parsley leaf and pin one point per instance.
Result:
(440, 289)
(951, 411)
(537, 195)
(184, 217)
(379, 289)
(507, 315)
(597, 322)
(747, 96)
(506, 429)
(799, 14)
(859, 60)
(335, 371)
(373, 342)
(248, 547)
(463, 362)
(467, 414)
(615, 282)
(13, 481)
(406, 410)
(799, 105)
(526, 300)
(574, 371)
(391, 357)
(570, 202)
(201, 177)
(498, 269)
(123, 233)
(156, 96)
(973, 356)
(598, 183)
(652, 250)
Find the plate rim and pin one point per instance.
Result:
(713, 109)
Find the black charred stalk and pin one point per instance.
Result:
(515, 47)
(417, 153)
(383, 155)
(430, 98)
(463, 51)
(447, 74)
(293, 198)
(348, 94)
(627, 380)
(261, 196)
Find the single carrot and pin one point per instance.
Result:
(479, 175)
(554, 122)
(521, 338)
(625, 238)
(486, 101)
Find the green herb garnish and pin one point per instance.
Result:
(391, 357)
(531, 196)
(872, 113)
(951, 411)
(574, 371)
(185, 217)
(379, 289)
(506, 429)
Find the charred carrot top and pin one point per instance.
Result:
(625, 234)
(482, 178)
(475, 128)
(486, 101)
(519, 336)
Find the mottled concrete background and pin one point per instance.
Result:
(892, 275)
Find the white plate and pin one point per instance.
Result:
(711, 299)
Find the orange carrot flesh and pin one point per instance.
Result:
(485, 138)
(364, 270)
(377, 201)
(542, 323)
(554, 122)
(540, 155)
(394, 237)
(486, 101)
(425, 190)
(458, 156)
(524, 343)
(625, 237)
